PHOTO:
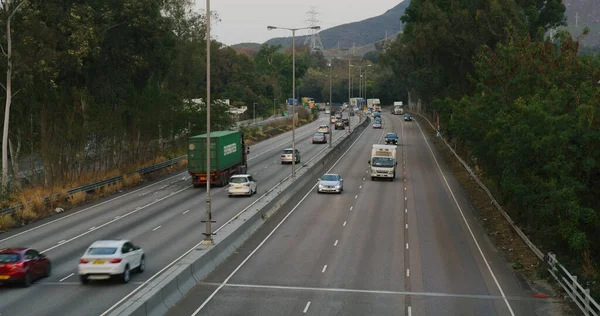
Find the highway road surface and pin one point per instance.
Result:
(164, 217)
(408, 247)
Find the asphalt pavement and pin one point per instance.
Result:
(407, 247)
(163, 216)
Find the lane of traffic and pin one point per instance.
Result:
(297, 254)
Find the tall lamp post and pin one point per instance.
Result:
(365, 85)
(330, 97)
(208, 240)
(293, 86)
(254, 113)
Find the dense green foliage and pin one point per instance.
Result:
(103, 85)
(525, 109)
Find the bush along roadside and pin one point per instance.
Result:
(515, 251)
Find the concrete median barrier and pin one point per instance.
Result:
(160, 294)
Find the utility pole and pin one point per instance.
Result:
(208, 240)
(331, 98)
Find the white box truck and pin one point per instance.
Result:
(383, 161)
(398, 110)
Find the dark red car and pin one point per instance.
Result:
(23, 265)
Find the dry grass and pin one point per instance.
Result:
(131, 180)
(7, 222)
(26, 215)
(78, 198)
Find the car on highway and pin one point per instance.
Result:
(331, 182)
(23, 266)
(377, 124)
(286, 157)
(319, 138)
(339, 124)
(323, 129)
(333, 119)
(242, 184)
(378, 119)
(346, 121)
(407, 117)
(351, 113)
(106, 259)
(391, 138)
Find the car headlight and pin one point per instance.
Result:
(391, 172)
(320, 186)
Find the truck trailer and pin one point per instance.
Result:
(383, 161)
(228, 154)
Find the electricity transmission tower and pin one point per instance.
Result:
(313, 40)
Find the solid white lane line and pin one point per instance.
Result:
(109, 222)
(68, 276)
(62, 241)
(351, 207)
(185, 212)
(306, 307)
(324, 269)
(344, 224)
(117, 217)
(407, 272)
(467, 224)
(91, 207)
(157, 228)
(268, 236)
(335, 243)
(92, 228)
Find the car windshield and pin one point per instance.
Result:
(391, 136)
(9, 257)
(329, 177)
(382, 162)
(238, 180)
(102, 251)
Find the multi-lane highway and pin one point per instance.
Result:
(164, 217)
(408, 247)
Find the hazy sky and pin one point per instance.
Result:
(247, 20)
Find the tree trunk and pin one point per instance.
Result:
(14, 158)
(8, 101)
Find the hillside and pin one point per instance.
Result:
(359, 33)
(250, 46)
(584, 13)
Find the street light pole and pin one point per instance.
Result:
(293, 88)
(208, 240)
(254, 112)
(349, 91)
(331, 98)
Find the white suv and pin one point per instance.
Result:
(108, 258)
(323, 129)
(242, 184)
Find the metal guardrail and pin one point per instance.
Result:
(566, 280)
(569, 283)
(101, 183)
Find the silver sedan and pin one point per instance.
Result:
(331, 183)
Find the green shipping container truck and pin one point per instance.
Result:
(228, 156)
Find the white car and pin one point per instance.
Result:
(286, 157)
(323, 129)
(242, 184)
(331, 183)
(111, 258)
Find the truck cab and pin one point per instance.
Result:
(383, 162)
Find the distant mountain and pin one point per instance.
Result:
(253, 46)
(360, 33)
(582, 13)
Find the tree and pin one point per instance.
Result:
(8, 13)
